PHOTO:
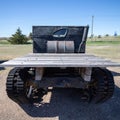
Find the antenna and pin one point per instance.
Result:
(92, 27)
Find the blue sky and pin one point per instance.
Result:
(26, 13)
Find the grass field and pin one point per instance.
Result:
(8, 51)
(107, 47)
(104, 47)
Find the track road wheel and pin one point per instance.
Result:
(103, 85)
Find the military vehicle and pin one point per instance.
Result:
(59, 61)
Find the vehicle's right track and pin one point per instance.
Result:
(103, 85)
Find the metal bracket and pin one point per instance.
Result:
(39, 74)
(86, 73)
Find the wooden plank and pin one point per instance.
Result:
(58, 57)
(59, 60)
(58, 65)
(57, 54)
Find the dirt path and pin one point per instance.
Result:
(59, 104)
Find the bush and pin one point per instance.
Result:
(107, 35)
(99, 36)
(18, 38)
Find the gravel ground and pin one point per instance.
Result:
(59, 104)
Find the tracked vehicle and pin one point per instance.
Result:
(59, 60)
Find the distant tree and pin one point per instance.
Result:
(18, 38)
(107, 35)
(115, 34)
(99, 36)
(30, 36)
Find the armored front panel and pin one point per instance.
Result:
(42, 35)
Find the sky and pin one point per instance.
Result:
(28, 13)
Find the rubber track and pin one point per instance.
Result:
(105, 84)
(14, 84)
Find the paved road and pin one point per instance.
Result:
(59, 104)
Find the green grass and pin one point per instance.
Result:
(8, 51)
(6, 42)
(109, 38)
(106, 49)
(103, 43)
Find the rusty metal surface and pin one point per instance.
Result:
(59, 60)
